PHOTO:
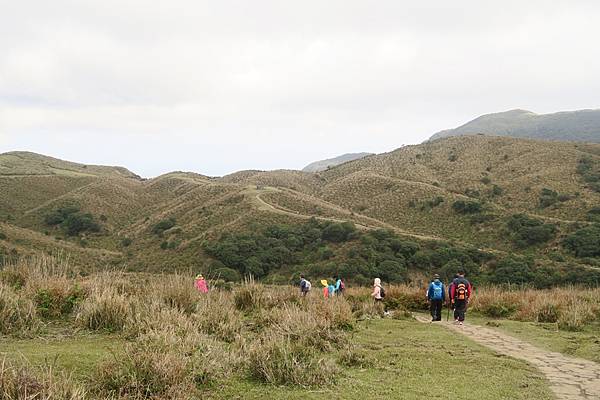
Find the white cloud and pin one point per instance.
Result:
(221, 86)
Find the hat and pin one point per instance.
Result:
(199, 276)
(436, 276)
(324, 282)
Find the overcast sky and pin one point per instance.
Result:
(219, 86)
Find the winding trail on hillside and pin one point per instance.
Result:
(264, 205)
(570, 378)
(359, 220)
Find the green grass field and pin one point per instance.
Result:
(407, 360)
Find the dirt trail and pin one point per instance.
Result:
(570, 378)
(361, 221)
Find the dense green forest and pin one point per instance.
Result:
(279, 253)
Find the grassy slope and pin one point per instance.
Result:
(390, 188)
(413, 361)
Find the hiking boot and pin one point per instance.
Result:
(460, 323)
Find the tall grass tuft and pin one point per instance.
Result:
(25, 382)
(105, 310)
(277, 359)
(17, 313)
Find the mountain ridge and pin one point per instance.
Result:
(322, 165)
(577, 126)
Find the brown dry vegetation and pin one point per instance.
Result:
(179, 344)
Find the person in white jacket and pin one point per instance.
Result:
(378, 294)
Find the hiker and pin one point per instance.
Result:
(325, 288)
(200, 284)
(331, 289)
(339, 286)
(459, 297)
(436, 295)
(305, 286)
(379, 294)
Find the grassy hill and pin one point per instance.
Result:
(575, 126)
(502, 196)
(323, 165)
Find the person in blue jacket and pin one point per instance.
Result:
(436, 294)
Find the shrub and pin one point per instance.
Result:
(338, 232)
(486, 180)
(467, 207)
(528, 231)
(72, 221)
(547, 313)
(162, 226)
(126, 242)
(593, 214)
(496, 191)
(57, 297)
(2, 236)
(548, 197)
(584, 242)
(227, 274)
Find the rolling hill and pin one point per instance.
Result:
(574, 126)
(462, 190)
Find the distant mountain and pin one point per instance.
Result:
(573, 126)
(323, 165)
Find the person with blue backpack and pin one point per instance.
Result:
(436, 294)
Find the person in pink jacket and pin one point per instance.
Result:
(201, 284)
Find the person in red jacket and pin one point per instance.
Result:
(460, 293)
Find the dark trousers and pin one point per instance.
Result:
(436, 309)
(460, 307)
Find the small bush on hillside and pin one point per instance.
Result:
(227, 274)
(162, 226)
(432, 203)
(338, 232)
(593, 215)
(589, 169)
(467, 207)
(584, 242)
(126, 242)
(528, 231)
(472, 193)
(548, 197)
(486, 180)
(496, 191)
(2, 236)
(511, 270)
(57, 298)
(72, 221)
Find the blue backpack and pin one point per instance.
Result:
(438, 292)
